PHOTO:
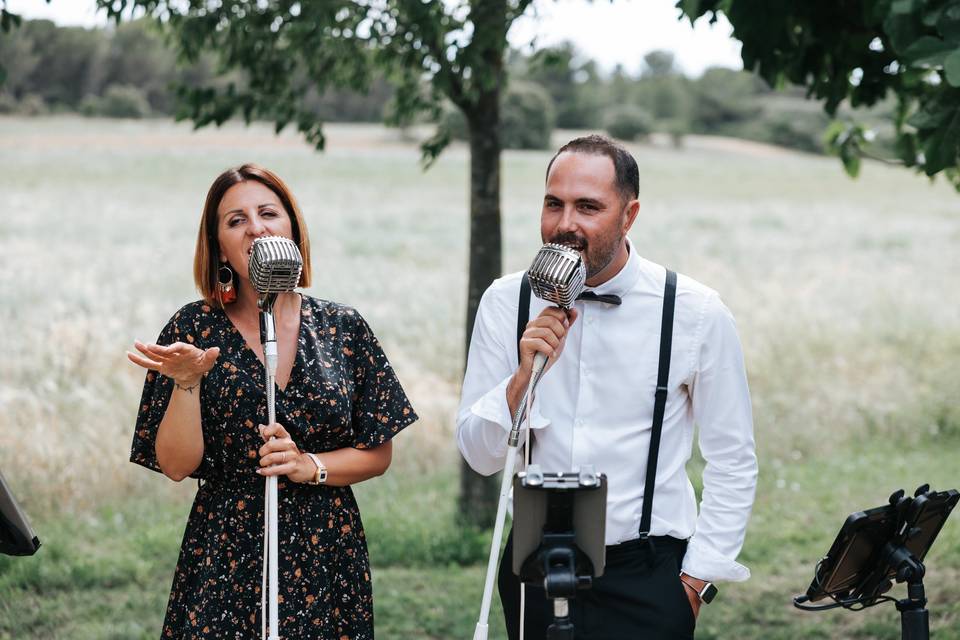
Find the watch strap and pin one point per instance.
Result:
(706, 593)
(320, 477)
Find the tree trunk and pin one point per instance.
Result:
(478, 495)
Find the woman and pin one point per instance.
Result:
(202, 413)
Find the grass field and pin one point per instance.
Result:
(845, 293)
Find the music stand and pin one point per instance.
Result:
(878, 546)
(16, 536)
(558, 535)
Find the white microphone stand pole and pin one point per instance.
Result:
(268, 337)
(480, 633)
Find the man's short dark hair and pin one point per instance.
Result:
(625, 170)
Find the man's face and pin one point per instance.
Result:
(582, 209)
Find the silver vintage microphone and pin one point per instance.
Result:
(557, 275)
(274, 268)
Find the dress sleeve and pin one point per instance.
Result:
(153, 405)
(380, 406)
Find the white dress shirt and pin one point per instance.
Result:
(595, 406)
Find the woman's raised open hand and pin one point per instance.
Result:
(183, 362)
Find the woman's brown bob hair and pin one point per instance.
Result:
(206, 260)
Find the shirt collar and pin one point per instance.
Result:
(625, 279)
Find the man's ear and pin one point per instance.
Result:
(630, 214)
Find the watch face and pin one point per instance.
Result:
(709, 593)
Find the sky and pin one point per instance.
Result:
(609, 31)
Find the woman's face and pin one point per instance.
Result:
(248, 210)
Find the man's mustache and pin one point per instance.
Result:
(570, 239)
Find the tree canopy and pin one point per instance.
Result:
(289, 50)
(861, 52)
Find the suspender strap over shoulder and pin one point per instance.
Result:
(660, 400)
(523, 313)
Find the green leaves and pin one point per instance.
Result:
(928, 51)
(8, 20)
(907, 48)
(846, 141)
(942, 147)
(951, 68)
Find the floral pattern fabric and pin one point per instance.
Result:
(342, 393)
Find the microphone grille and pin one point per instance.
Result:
(275, 265)
(557, 275)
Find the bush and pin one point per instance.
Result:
(32, 105)
(628, 122)
(526, 118)
(90, 105)
(8, 104)
(124, 101)
(805, 135)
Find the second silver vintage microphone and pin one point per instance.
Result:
(274, 268)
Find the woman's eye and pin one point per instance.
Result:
(234, 221)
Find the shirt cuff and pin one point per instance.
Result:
(703, 562)
(493, 407)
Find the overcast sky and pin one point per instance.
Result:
(617, 32)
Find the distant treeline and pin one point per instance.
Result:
(130, 71)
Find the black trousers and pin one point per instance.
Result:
(639, 596)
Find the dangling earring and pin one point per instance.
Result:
(226, 292)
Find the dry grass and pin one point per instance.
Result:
(844, 291)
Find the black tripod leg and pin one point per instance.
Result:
(915, 624)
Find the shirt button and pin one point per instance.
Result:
(579, 423)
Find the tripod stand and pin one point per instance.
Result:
(557, 543)
(878, 547)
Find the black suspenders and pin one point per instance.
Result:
(660, 396)
(660, 400)
(523, 313)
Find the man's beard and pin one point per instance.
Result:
(598, 255)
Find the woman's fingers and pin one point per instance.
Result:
(277, 444)
(145, 349)
(143, 362)
(274, 430)
(210, 357)
(278, 458)
(279, 469)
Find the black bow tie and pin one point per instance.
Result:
(609, 298)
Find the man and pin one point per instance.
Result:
(595, 405)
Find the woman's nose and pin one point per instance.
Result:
(256, 227)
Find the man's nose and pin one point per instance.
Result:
(568, 220)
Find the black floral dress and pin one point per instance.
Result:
(342, 393)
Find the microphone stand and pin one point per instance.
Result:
(480, 632)
(268, 339)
